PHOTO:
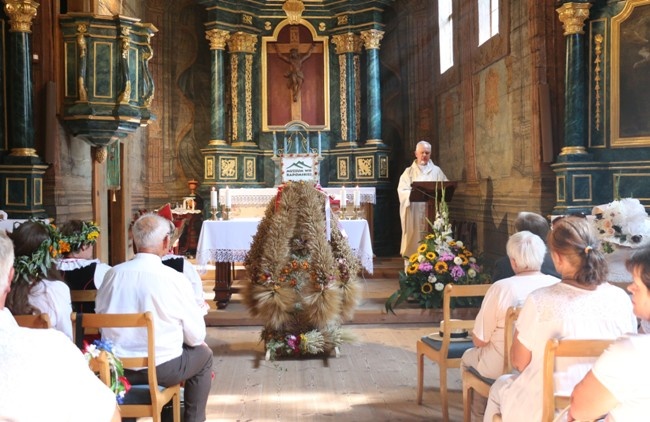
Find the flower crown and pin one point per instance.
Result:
(86, 236)
(35, 266)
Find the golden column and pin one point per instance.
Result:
(242, 48)
(348, 48)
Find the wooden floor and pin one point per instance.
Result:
(372, 380)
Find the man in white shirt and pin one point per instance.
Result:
(146, 284)
(413, 216)
(43, 375)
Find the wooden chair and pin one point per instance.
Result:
(34, 321)
(472, 382)
(83, 297)
(141, 400)
(446, 353)
(564, 348)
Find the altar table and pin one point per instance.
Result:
(226, 242)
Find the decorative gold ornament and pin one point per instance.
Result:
(598, 50)
(573, 150)
(347, 43)
(241, 42)
(99, 154)
(23, 152)
(573, 16)
(21, 13)
(217, 38)
(371, 38)
(293, 9)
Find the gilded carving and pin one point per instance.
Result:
(342, 20)
(125, 96)
(343, 93)
(342, 168)
(249, 168)
(267, 26)
(347, 43)
(234, 87)
(371, 38)
(293, 9)
(148, 79)
(249, 96)
(322, 27)
(573, 16)
(598, 50)
(241, 42)
(23, 152)
(365, 167)
(21, 13)
(228, 167)
(209, 167)
(217, 38)
(357, 96)
(383, 167)
(83, 61)
(247, 19)
(99, 154)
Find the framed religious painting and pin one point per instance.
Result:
(630, 75)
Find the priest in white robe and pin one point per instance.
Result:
(413, 215)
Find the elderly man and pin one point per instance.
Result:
(43, 375)
(146, 284)
(413, 215)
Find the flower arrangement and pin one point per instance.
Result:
(74, 238)
(621, 223)
(35, 266)
(302, 283)
(119, 384)
(438, 261)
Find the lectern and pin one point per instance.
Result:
(431, 193)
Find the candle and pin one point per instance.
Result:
(357, 197)
(343, 198)
(285, 152)
(214, 198)
(228, 199)
(319, 150)
(275, 144)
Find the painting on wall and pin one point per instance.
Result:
(630, 75)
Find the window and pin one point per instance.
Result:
(488, 20)
(446, 31)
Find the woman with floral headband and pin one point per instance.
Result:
(37, 286)
(80, 271)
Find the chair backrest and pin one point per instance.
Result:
(34, 321)
(458, 290)
(83, 295)
(556, 348)
(509, 332)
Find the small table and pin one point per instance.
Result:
(227, 242)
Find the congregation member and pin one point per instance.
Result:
(79, 269)
(526, 252)
(583, 305)
(413, 215)
(145, 284)
(619, 383)
(535, 224)
(43, 376)
(37, 286)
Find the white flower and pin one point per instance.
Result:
(439, 286)
(472, 260)
(471, 273)
(421, 258)
(459, 244)
(432, 279)
(458, 260)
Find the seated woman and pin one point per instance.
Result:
(526, 252)
(37, 286)
(80, 271)
(618, 383)
(582, 305)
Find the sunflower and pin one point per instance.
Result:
(464, 259)
(441, 267)
(431, 255)
(412, 269)
(426, 288)
(429, 236)
(414, 257)
(422, 248)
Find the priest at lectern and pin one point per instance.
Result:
(413, 215)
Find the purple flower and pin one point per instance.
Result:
(292, 341)
(457, 272)
(446, 256)
(425, 267)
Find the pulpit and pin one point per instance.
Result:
(432, 193)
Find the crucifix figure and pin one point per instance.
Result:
(294, 75)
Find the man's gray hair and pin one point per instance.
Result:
(6, 259)
(424, 143)
(533, 223)
(149, 231)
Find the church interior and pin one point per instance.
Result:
(112, 107)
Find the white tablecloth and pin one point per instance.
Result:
(229, 241)
(262, 196)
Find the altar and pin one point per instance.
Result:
(227, 242)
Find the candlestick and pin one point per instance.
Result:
(228, 198)
(214, 198)
(213, 211)
(357, 197)
(343, 198)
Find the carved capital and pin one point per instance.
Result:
(217, 38)
(371, 38)
(241, 42)
(21, 13)
(293, 9)
(99, 153)
(347, 43)
(573, 16)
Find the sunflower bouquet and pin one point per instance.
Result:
(439, 260)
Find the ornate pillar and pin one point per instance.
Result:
(371, 39)
(573, 16)
(217, 39)
(242, 47)
(19, 73)
(348, 48)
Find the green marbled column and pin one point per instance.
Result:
(350, 88)
(371, 41)
(20, 94)
(218, 38)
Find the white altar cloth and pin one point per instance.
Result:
(262, 196)
(229, 241)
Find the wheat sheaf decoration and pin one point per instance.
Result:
(302, 283)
